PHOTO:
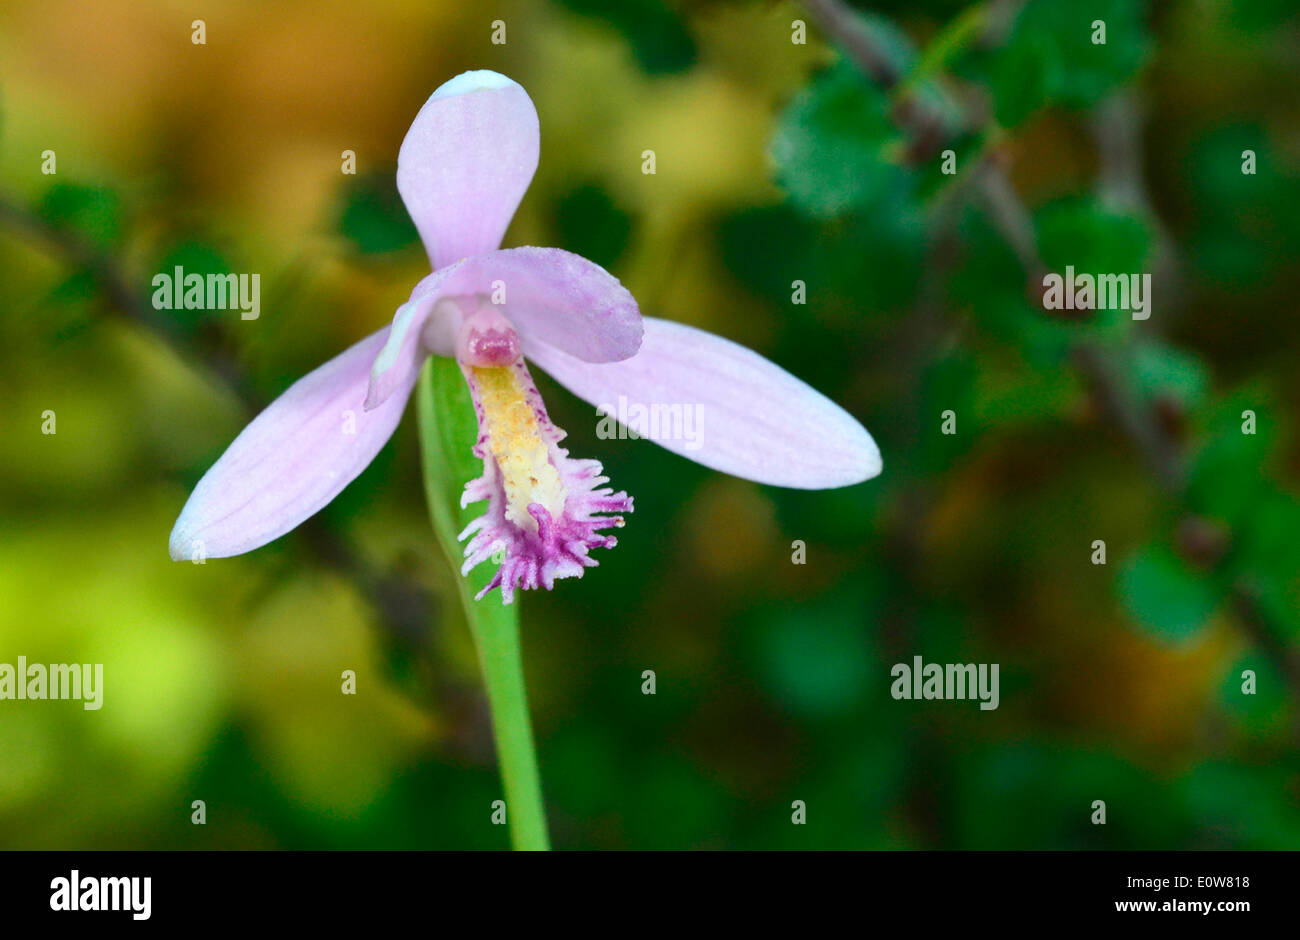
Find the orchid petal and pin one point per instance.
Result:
(406, 344)
(292, 459)
(465, 164)
(565, 301)
(555, 296)
(737, 412)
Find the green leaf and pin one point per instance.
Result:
(93, 212)
(1050, 56)
(448, 432)
(832, 145)
(1092, 238)
(659, 40)
(1161, 371)
(1164, 595)
(1226, 480)
(195, 257)
(591, 225)
(1268, 539)
(1024, 76)
(1267, 707)
(989, 283)
(1240, 237)
(371, 215)
(1023, 395)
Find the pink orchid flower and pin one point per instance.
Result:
(462, 171)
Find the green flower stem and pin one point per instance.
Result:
(448, 429)
(497, 639)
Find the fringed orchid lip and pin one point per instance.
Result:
(462, 170)
(545, 509)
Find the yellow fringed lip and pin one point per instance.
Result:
(516, 443)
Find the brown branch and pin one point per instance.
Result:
(1140, 424)
(840, 22)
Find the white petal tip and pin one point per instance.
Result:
(466, 82)
(182, 546)
(869, 464)
(844, 467)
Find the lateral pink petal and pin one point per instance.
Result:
(292, 459)
(723, 406)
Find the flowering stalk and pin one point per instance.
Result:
(447, 434)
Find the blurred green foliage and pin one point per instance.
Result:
(1067, 54)
(832, 145)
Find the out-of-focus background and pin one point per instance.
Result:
(776, 161)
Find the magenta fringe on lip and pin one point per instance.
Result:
(560, 547)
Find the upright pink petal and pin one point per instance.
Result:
(466, 162)
(723, 406)
(292, 459)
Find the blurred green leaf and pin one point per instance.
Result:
(1023, 794)
(861, 267)
(767, 248)
(195, 257)
(1050, 56)
(1092, 238)
(92, 212)
(1226, 480)
(659, 39)
(1268, 539)
(831, 145)
(1246, 807)
(1161, 371)
(372, 217)
(1258, 15)
(1024, 77)
(989, 283)
(1267, 707)
(817, 658)
(591, 225)
(1239, 236)
(1164, 595)
(448, 433)
(1023, 395)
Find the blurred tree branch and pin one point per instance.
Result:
(1160, 449)
(403, 606)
